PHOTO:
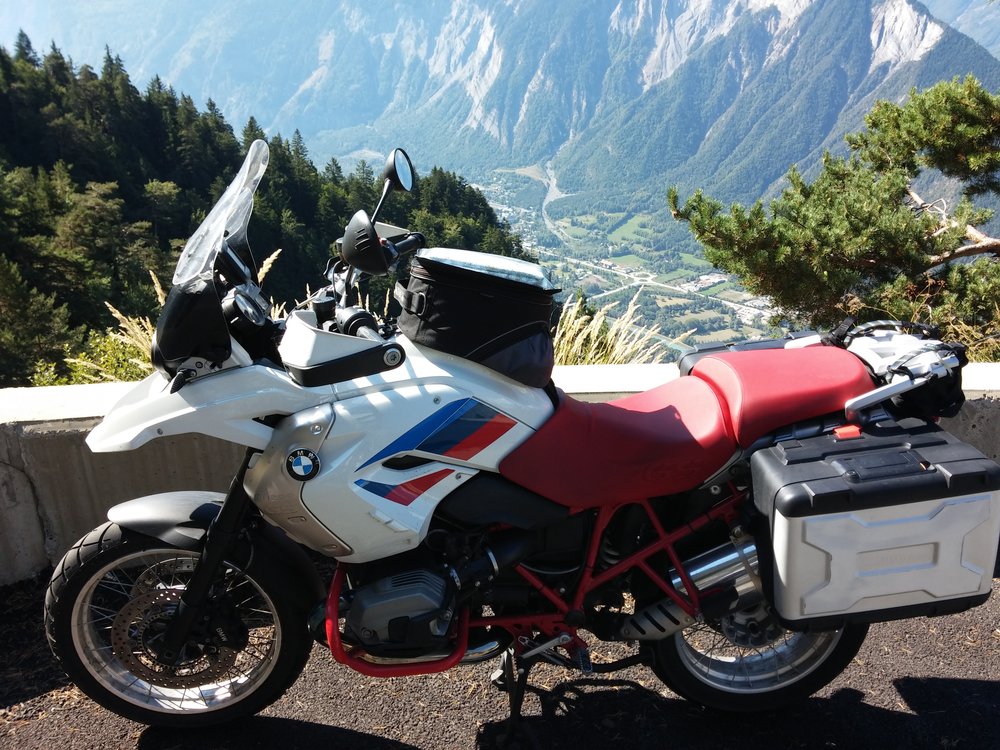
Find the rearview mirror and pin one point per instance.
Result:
(398, 170)
(397, 173)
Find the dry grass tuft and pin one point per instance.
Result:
(585, 339)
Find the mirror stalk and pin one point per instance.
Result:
(386, 189)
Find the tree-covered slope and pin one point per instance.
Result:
(101, 184)
(751, 104)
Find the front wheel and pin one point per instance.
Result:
(108, 604)
(747, 662)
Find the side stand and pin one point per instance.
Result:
(513, 680)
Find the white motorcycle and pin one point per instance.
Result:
(740, 526)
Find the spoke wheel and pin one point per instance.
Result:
(109, 604)
(748, 662)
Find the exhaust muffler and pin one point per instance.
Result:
(729, 567)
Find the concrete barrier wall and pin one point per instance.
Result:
(53, 489)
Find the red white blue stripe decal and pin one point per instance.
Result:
(459, 430)
(405, 493)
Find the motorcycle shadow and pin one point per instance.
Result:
(265, 732)
(608, 713)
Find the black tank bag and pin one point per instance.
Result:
(498, 322)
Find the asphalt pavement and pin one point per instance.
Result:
(923, 683)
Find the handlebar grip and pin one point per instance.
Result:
(356, 321)
(413, 241)
(367, 332)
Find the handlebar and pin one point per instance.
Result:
(367, 332)
(413, 241)
(356, 321)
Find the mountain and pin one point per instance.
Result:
(779, 86)
(621, 96)
(978, 19)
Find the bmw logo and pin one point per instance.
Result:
(302, 464)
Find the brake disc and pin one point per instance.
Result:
(143, 621)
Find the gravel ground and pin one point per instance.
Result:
(926, 683)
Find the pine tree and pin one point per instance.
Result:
(252, 131)
(24, 51)
(33, 327)
(101, 184)
(859, 238)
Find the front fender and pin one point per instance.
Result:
(178, 518)
(224, 405)
(181, 519)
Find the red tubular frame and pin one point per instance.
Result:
(551, 623)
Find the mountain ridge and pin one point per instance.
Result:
(619, 95)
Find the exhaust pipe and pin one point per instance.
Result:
(727, 567)
(474, 654)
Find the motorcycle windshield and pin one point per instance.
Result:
(228, 219)
(192, 324)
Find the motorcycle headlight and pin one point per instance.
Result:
(243, 311)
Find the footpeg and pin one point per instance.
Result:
(545, 648)
(581, 660)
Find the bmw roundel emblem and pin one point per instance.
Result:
(302, 464)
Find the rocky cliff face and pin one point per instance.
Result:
(901, 34)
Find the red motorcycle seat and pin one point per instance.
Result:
(763, 390)
(674, 437)
(665, 440)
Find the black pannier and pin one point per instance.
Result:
(490, 309)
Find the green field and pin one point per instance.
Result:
(717, 290)
(596, 221)
(666, 278)
(720, 337)
(671, 301)
(631, 230)
(629, 261)
(699, 317)
(731, 294)
(695, 260)
(577, 233)
(534, 172)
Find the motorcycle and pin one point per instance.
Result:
(739, 526)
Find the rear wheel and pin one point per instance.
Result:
(748, 662)
(107, 607)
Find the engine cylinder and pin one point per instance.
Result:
(401, 610)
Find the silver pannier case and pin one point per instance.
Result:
(898, 520)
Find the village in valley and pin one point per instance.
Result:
(612, 259)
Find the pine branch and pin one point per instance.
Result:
(987, 245)
(980, 243)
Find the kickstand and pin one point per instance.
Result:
(513, 680)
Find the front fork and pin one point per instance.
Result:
(220, 540)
